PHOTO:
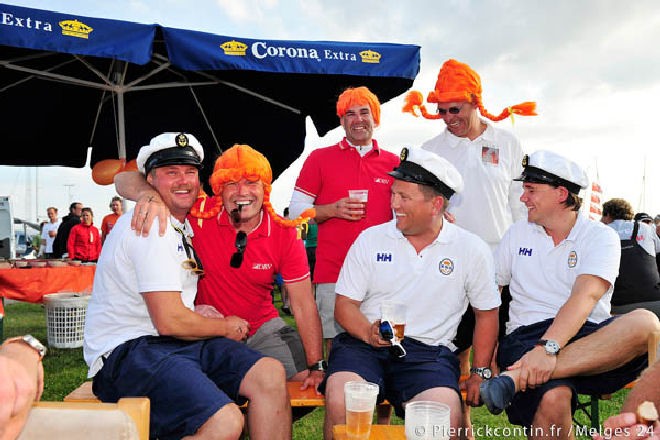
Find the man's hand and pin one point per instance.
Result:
(313, 379)
(149, 206)
(535, 366)
(21, 384)
(236, 328)
(625, 426)
(374, 336)
(471, 386)
(349, 209)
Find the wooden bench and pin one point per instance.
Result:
(299, 398)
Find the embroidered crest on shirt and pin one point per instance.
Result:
(490, 155)
(446, 266)
(572, 259)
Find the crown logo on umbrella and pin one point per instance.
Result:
(369, 56)
(234, 47)
(75, 28)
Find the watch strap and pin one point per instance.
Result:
(318, 366)
(31, 342)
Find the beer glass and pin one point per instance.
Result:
(361, 195)
(360, 398)
(395, 313)
(426, 420)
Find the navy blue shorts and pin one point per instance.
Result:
(523, 339)
(186, 382)
(424, 367)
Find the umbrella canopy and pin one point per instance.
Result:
(68, 83)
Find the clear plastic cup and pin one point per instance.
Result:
(426, 420)
(395, 313)
(361, 195)
(360, 398)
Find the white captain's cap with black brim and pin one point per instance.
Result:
(170, 149)
(551, 168)
(427, 168)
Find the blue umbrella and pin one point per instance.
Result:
(68, 83)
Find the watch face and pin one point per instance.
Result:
(486, 373)
(552, 347)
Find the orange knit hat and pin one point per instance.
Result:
(358, 96)
(457, 82)
(241, 161)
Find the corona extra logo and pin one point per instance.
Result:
(369, 56)
(234, 47)
(75, 28)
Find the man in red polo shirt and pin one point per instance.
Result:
(354, 163)
(242, 243)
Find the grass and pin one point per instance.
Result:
(65, 370)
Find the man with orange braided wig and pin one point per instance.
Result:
(242, 244)
(488, 159)
(356, 162)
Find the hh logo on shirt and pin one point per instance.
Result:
(446, 266)
(385, 257)
(572, 259)
(525, 252)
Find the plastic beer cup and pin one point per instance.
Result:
(360, 399)
(426, 420)
(395, 313)
(361, 195)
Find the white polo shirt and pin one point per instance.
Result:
(488, 165)
(130, 265)
(436, 284)
(646, 236)
(541, 275)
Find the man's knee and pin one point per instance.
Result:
(555, 404)
(228, 420)
(266, 375)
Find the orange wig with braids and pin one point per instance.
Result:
(358, 96)
(457, 82)
(242, 161)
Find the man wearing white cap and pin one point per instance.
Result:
(143, 337)
(560, 339)
(433, 267)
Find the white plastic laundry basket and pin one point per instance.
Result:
(65, 317)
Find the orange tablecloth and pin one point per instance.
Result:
(378, 432)
(32, 284)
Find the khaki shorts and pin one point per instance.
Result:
(325, 302)
(278, 340)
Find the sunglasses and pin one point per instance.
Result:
(451, 110)
(241, 244)
(387, 333)
(192, 263)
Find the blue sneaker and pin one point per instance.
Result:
(497, 393)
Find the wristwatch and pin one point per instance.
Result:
(551, 347)
(318, 366)
(32, 342)
(483, 372)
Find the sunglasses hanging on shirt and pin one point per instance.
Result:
(240, 244)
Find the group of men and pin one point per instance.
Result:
(185, 317)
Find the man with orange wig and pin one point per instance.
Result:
(354, 163)
(488, 159)
(242, 244)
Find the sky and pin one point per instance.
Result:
(592, 67)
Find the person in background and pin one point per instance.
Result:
(487, 157)
(49, 232)
(638, 282)
(84, 241)
(110, 219)
(356, 162)
(21, 382)
(142, 333)
(68, 222)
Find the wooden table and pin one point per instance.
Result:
(31, 284)
(378, 432)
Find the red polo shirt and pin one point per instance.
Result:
(327, 175)
(245, 292)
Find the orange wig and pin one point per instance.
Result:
(457, 82)
(241, 161)
(358, 96)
